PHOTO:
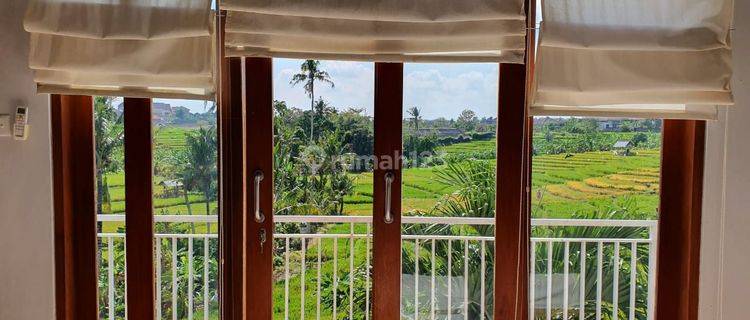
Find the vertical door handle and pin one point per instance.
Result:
(388, 183)
(259, 217)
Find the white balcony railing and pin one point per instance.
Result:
(584, 274)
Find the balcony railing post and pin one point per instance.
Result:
(653, 235)
(456, 303)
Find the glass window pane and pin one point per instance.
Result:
(186, 210)
(110, 195)
(323, 144)
(600, 178)
(450, 123)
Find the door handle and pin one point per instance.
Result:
(388, 183)
(259, 217)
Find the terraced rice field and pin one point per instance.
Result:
(560, 180)
(172, 137)
(561, 184)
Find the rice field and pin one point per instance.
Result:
(561, 184)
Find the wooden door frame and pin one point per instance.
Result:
(139, 213)
(258, 84)
(386, 249)
(232, 182)
(513, 181)
(74, 194)
(681, 195)
(512, 217)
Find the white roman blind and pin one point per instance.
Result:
(378, 30)
(633, 58)
(132, 48)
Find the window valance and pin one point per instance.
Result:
(635, 58)
(378, 30)
(136, 48)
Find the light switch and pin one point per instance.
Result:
(5, 125)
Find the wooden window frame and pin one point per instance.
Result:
(139, 211)
(246, 144)
(76, 281)
(74, 188)
(232, 191)
(681, 196)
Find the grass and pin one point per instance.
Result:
(340, 261)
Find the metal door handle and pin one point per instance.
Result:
(259, 217)
(388, 182)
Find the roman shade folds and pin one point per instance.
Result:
(378, 30)
(635, 58)
(133, 48)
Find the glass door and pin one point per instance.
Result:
(449, 185)
(322, 189)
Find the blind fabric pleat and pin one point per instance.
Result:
(378, 30)
(636, 58)
(134, 48)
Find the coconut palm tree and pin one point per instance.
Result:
(201, 172)
(416, 117)
(309, 73)
(109, 132)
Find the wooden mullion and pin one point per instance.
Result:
(386, 292)
(76, 282)
(231, 168)
(681, 188)
(139, 215)
(259, 157)
(512, 218)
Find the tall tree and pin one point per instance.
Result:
(309, 73)
(201, 171)
(416, 116)
(467, 120)
(108, 131)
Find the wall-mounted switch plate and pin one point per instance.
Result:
(5, 125)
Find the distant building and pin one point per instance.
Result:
(622, 148)
(609, 125)
(161, 113)
(171, 188)
(441, 132)
(488, 121)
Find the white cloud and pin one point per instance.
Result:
(441, 90)
(441, 93)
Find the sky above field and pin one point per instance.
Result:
(439, 90)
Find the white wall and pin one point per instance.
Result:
(725, 253)
(26, 245)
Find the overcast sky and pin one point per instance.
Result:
(440, 90)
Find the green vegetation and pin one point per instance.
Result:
(322, 166)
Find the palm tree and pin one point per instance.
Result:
(109, 139)
(416, 117)
(309, 73)
(201, 172)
